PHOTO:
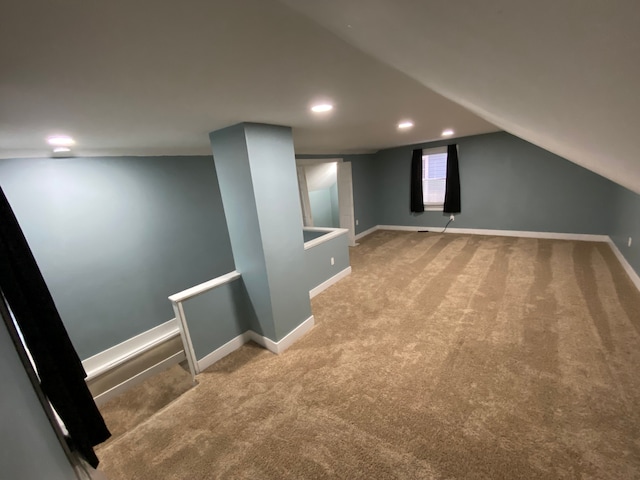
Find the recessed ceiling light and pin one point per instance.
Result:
(61, 149)
(322, 107)
(60, 141)
(405, 125)
(447, 133)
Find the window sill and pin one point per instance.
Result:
(434, 208)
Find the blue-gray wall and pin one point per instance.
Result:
(308, 235)
(236, 188)
(322, 208)
(217, 316)
(29, 448)
(625, 210)
(114, 237)
(506, 184)
(276, 188)
(365, 185)
(259, 187)
(318, 260)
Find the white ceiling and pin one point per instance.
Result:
(155, 77)
(564, 75)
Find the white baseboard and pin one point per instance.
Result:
(585, 237)
(213, 357)
(633, 275)
(400, 228)
(367, 232)
(263, 341)
(221, 352)
(327, 283)
(139, 378)
(275, 347)
(127, 350)
(286, 342)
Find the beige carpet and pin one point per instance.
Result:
(125, 412)
(440, 357)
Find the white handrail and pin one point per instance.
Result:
(331, 233)
(203, 287)
(178, 309)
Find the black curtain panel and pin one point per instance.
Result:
(417, 201)
(452, 191)
(58, 365)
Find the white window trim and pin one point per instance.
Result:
(434, 207)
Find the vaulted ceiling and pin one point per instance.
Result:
(151, 77)
(154, 77)
(563, 75)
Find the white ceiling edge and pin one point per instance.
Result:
(561, 77)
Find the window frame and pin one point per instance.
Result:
(432, 207)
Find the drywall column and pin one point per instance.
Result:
(256, 170)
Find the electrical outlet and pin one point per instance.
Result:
(333, 261)
(356, 221)
(452, 217)
(629, 242)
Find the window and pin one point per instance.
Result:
(434, 177)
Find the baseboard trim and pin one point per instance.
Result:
(635, 278)
(139, 378)
(367, 232)
(585, 237)
(123, 352)
(264, 342)
(275, 347)
(293, 336)
(221, 352)
(327, 283)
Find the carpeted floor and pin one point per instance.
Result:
(440, 357)
(124, 412)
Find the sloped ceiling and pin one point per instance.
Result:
(564, 75)
(154, 77)
(321, 176)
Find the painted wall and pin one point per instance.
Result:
(273, 162)
(365, 192)
(506, 184)
(322, 208)
(29, 448)
(259, 187)
(308, 235)
(318, 260)
(114, 237)
(217, 316)
(626, 223)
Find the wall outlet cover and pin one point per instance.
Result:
(629, 242)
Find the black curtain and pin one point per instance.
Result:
(452, 191)
(58, 365)
(417, 200)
